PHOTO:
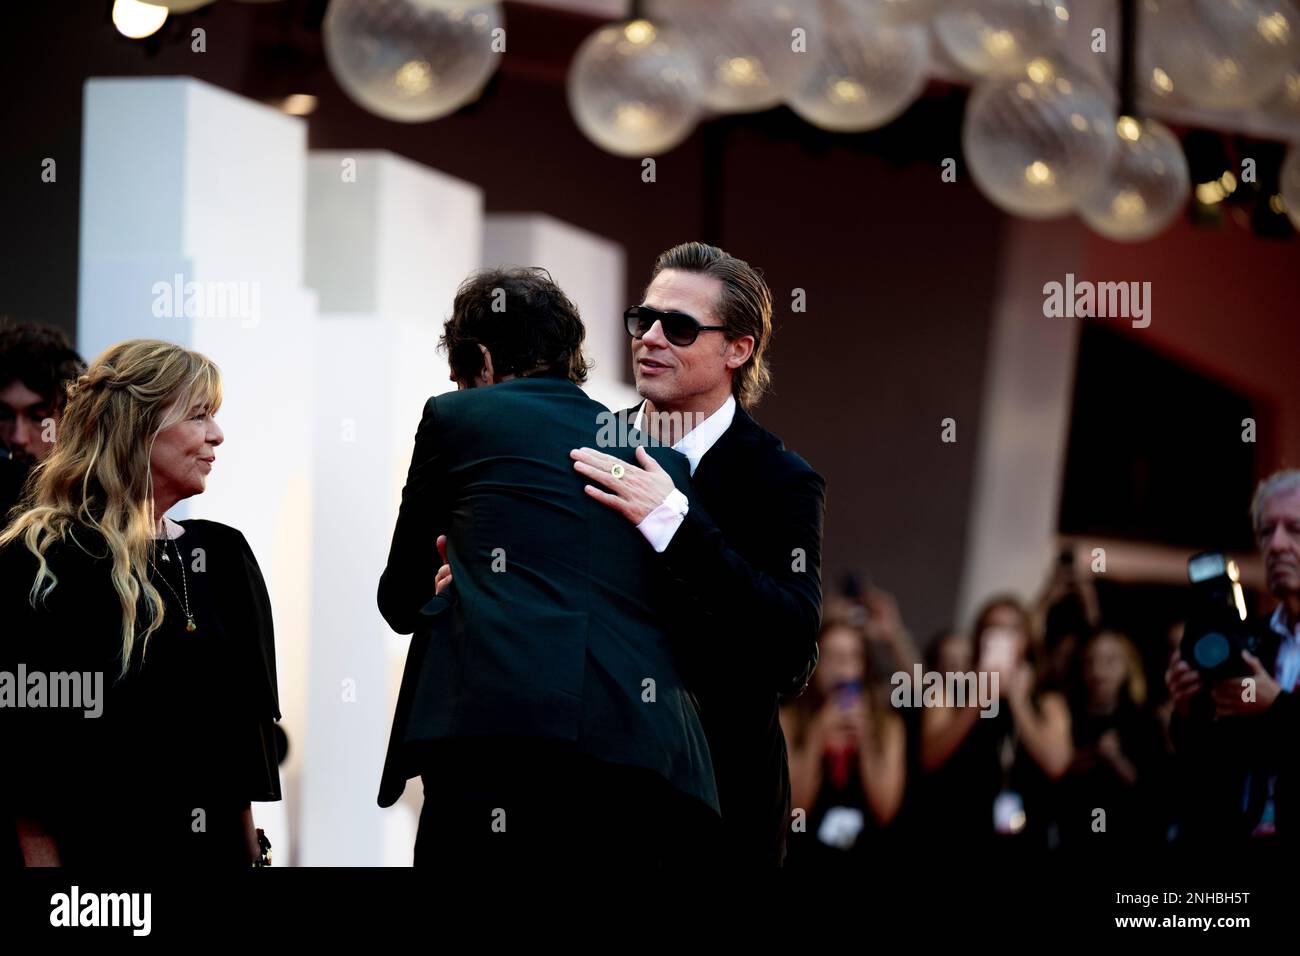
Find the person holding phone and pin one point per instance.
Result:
(848, 750)
(997, 772)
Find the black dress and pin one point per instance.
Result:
(990, 769)
(184, 741)
(1134, 814)
(840, 828)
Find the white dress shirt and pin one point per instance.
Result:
(1287, 669)
(660, 525)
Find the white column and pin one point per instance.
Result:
(592, 271)
(388, 242)
(1024, 420)
(191, 231)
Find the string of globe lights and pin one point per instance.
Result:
(1047, 132)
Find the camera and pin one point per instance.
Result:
(1217, 630)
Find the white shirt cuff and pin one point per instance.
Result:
(660, 525)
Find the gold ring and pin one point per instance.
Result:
(617, 471)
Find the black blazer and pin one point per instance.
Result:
(747, 558)
(1223, 766)
(552, 628)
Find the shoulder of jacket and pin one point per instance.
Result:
(779, 461)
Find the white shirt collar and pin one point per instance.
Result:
(696, 443)
(1278, 623)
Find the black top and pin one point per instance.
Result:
(12, 475)
(184, 740)
(840, 825)
(1133, 813)
(956, 802)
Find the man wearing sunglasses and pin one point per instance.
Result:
(745, 551)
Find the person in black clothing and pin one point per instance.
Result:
(744, 553)
(848, 751)
(167, 623)
(1119, 755)
(541, 703)
(990, 778)
(1235, 751)
(36, 365)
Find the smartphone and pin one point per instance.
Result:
(1000, 649)
(846, 693)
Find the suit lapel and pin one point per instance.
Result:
(713, 467)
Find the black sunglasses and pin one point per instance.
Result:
(679, 328)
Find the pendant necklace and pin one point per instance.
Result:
(185, 601)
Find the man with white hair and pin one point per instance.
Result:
(1251, 767)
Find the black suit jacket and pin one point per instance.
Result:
(553, 628)
(747, 563)
(1224, 766)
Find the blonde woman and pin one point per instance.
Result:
(164, 626)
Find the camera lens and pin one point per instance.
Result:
(1211, 650)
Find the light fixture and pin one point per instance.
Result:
(634, 88)
(181, 6)
(1220, 54)
(298, 104)
(1144, 189)
(1000, 37)
(746, 48)
(136, 20)
(408, 61)
(865, 72)
(1146, 186)
(1037, 144)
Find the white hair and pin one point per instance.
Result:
(1278, 483)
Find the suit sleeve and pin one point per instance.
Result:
(774, 598)
(406, 585)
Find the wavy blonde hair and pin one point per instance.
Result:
(98, 475)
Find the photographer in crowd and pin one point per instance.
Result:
(1233, 739)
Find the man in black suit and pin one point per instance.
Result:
(1237, 749)
(540, 702)
(745, 549)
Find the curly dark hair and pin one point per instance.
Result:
(40, 357)
(523, 318)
